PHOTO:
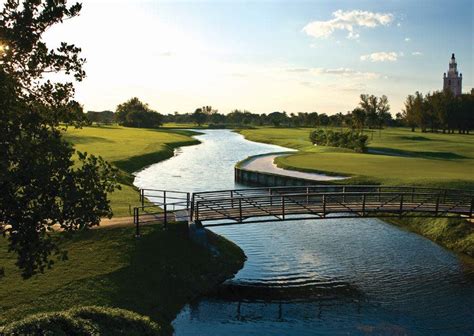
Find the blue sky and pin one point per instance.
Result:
(259, 56)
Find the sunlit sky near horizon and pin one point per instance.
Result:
(266, 56)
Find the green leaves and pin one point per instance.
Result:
(42, 188)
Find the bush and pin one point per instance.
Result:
(348, 139)
(84, 321)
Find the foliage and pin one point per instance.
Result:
(87, 321)
(41, 185)
(439, 111)
(134, 113)
(104, 117)
(348, 139)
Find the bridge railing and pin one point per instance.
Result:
(219, 194)
(281, 202)
(157, 205)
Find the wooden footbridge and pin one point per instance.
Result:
(253, 205)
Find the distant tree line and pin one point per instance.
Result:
(103, 117)
(372, 112)
(439, 111)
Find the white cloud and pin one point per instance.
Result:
(342, 72)
(382, 56)
(347, 20)
(407, 39)
(417, 53)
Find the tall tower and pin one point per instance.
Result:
(453, 81)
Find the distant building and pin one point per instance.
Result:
(453, 81)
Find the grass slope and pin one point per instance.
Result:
(154, 275)
(396, 156)
(129, 149)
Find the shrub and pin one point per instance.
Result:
(348, 139)
(84, 321)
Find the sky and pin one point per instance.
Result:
(265, 56)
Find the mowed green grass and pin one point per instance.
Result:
(154, 275)
(397, 156)
(129, 149)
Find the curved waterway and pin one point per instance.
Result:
(317, 277)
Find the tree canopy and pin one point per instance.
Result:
(439, 111)
(41, 185)
(135, 113)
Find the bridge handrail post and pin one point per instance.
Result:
(380, 196)
(232, 198)
(344, 194)
(401, 206)
(187, 201)
(196, 210)
(271, 196)
(472, 207)
(283, 207)
(191, 211)
(240, 210)
(437, 205)
(363, 204)
(444, 196)
(136, 220)
(142, 197)
(324, 205)
(412, 194)
(307, 195)
(165, 219)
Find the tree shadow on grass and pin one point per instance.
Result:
(414, 138)
(80, 139)
(416, 154)
(167, 270)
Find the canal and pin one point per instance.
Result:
(319, 277)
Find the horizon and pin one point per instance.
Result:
(265, 56)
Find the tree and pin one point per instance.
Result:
(199, 116)
(383, 114)
(40, 184)
(358, 118)
(135, 113)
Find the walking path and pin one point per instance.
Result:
(265, 164)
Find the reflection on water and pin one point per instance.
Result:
(318, 277)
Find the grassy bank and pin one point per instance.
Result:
(129, 149)
(154, 275)
(396, 156)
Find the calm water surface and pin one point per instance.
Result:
(326, 277)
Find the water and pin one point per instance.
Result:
(318, 277)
